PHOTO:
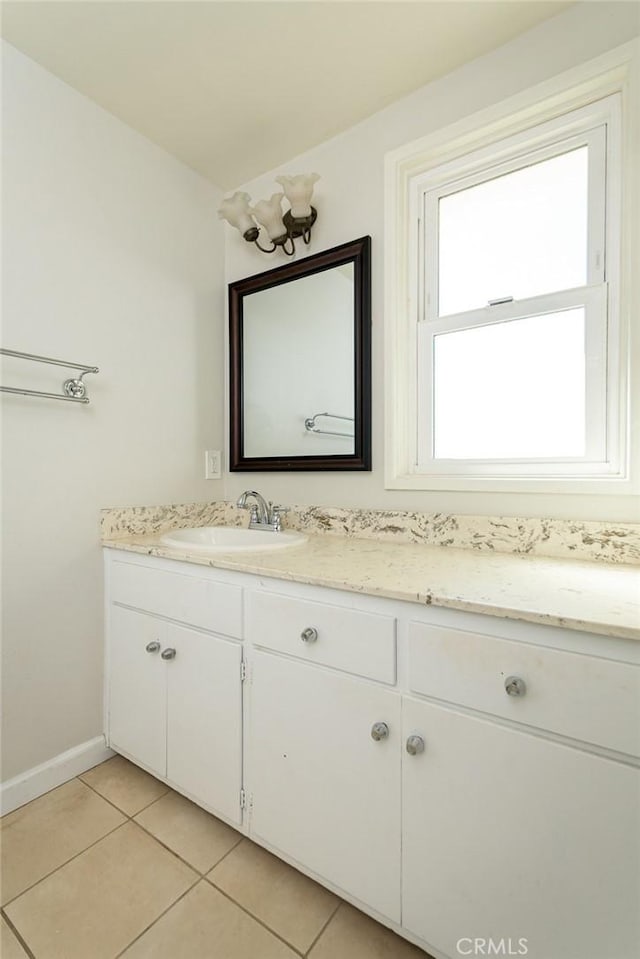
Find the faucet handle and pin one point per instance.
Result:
(276, 515)
(252, 507)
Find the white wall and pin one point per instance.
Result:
(113, 257)
(350, 204)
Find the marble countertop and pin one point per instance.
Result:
(587, 596)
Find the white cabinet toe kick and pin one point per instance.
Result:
(472, 782)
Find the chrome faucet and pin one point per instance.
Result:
(262, 515)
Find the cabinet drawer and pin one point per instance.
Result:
(196, 602)
(347, 639)
(587, 698)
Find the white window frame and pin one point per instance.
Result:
(600, 123)
(416, 176)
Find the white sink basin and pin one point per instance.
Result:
(229, 539)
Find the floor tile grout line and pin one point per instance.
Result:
(226, 896)
(131, 818)
(111, 803)
(154, 801)
(186, 862)
(170, 849)
(324, 928)
(227, 853)
(10, 902)
(100, 795)
(158, 918)
(257, 919)
(204, 876)
(18, 935)
(198, 875)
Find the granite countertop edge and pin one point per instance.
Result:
(579, 595)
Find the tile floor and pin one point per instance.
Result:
(116, 864)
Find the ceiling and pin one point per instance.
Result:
(234, 89)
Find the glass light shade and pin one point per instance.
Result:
(298, 191)
(269, 214)
(235, 210)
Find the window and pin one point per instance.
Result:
(511, 339)
(506, 348)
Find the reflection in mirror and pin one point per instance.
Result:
(297, 357)
(300, 364)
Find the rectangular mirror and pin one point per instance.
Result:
(300, 358)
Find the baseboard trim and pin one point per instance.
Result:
(39, 780)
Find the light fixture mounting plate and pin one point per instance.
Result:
(299, 225)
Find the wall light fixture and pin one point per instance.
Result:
(281, 228)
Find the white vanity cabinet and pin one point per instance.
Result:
(508, 835)
(137, 688)
(533, 830)
(457, 776)
(174, 693)
(322, 791)
(323, 764)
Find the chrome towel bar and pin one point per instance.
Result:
(310, 424)
(73, 389)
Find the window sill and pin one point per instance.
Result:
(571, 485)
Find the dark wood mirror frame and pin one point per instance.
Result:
(357, 252)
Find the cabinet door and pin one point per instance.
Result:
(137, 688)
(511, 836)
(204, 719)
(322, 790)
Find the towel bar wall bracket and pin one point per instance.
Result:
(75, 386)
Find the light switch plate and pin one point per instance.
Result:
(212, 464)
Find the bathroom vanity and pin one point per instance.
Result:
(453, 774)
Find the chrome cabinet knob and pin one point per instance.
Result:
(379, 731)
(168, 653)
(415, 745)
(309, 635)
(515, 686)
(153, 647)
